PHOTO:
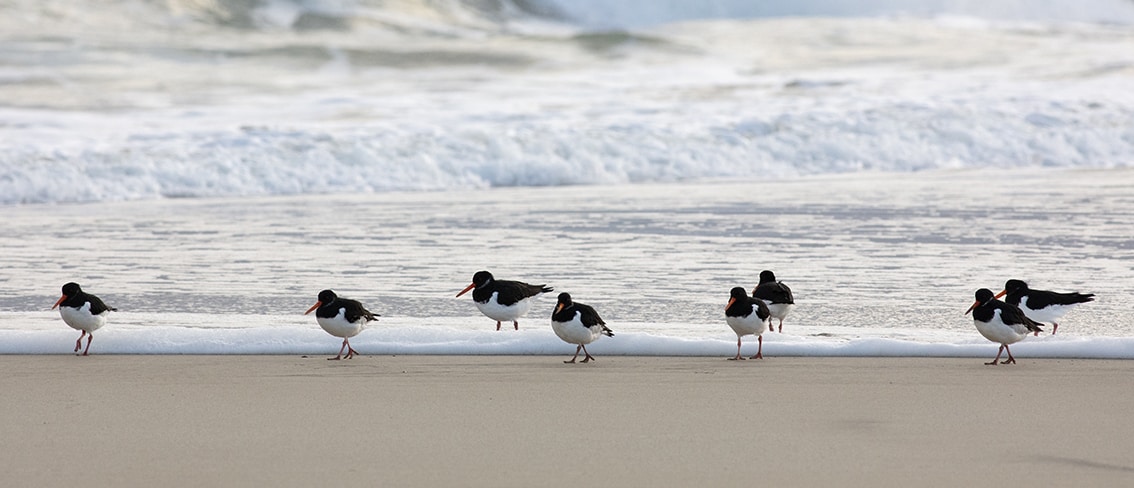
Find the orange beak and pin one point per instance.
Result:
(313, 307)
(466, 290)
(559, 308)
(998, 295)
(57, 302)
(975, 304)
(730, 302)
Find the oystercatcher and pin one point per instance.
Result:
(579, 324)
(1000, 322)
(747, 315)
(1042, 305)
(82, 311)
(776, 295)
(502, 300)
(341, 317)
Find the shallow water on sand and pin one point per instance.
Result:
(868, 255)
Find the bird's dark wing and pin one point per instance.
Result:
(743, 308)
(1038, 299)
(774, 292)
(1012, 315)
(511, 292)
(590, 317)
(762, 310)
(355, 311)
(97, 306)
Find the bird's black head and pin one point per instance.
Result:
(564, 302)
(1012, 286)
(482, 278)
(738, 293)
(71, 289)
(983, 296)
(327, 296)
(767, 276)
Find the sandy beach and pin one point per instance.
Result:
(533, 421)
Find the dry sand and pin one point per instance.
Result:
(533, 421)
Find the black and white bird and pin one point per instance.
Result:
(83, 312)
(776, 295)
(747, 316)
(1042, 305)
(1000, 322)
(578, 324)
(502, 300)
(341, 317)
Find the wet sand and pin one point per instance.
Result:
(532, 421)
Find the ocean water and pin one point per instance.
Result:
(208, 167)
(881, 264)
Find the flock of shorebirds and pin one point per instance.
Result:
(1003, 322)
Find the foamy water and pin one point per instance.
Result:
(208, 167)
(881, 264)
(141, 100)
(43, 333)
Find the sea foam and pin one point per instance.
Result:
(41, 333)
(322, 97)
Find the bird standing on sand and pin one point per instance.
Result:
(1000, 322)
(747, 315)
(341, 317)
(579, 324)
(1042, 305)
(83, 312)
(776, 295)
(502, 300)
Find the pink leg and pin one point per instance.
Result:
(998, 352)
(577, 349)
(89, 337)
(340, 356)
(589, 357)
(1054, 327)
(760, 348)
(781, 325)
(738, 356)
(516, 324)
(79, 342)
(497, 325)
(350, 350)
(1011, 360)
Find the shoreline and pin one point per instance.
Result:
(410, 420)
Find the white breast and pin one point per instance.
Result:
(495, 311)
(747, 325)
(997, 331)
(81, 318)
(338, 325)
(573, 331)
(780, 310)
(1051, 313)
